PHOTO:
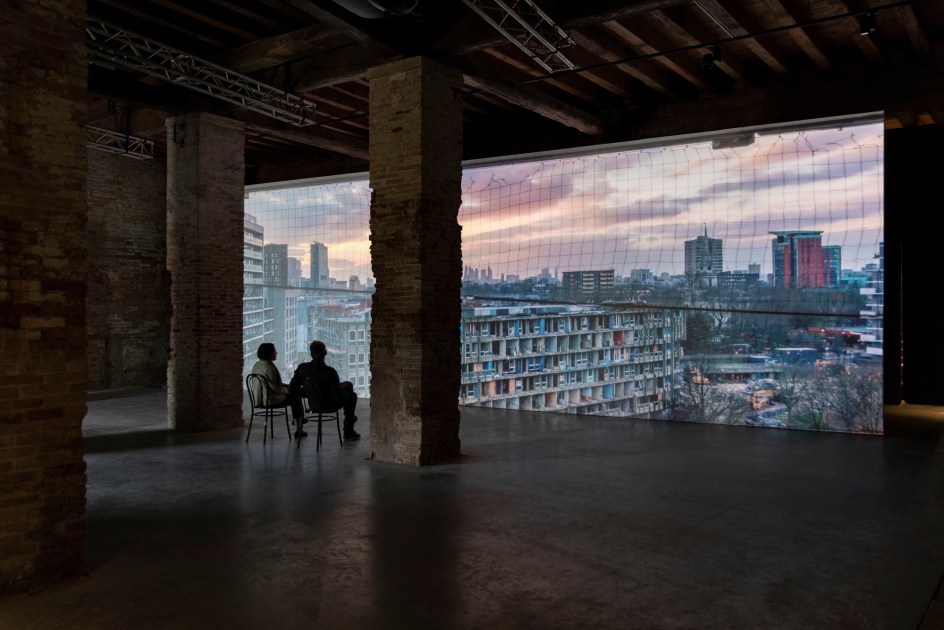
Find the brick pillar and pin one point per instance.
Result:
(205, 184)
(43, 263)
(415, 174)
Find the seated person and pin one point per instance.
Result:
(279, 392)
(342, 393)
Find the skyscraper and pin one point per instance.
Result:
(319, 266)
(832, 265)
(294, 272)
(704, 260)
(276, 264)
(799, 262)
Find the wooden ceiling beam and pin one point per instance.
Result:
(780, 17)
(916, 35)
(643, 47)
(530, 99)
(201, 16)
(612, 51)
(740, 24)
(322, 140)
(280, 49)
(680, 36)
(532, 71)
(470, 33)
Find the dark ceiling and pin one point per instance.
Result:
(641, 69)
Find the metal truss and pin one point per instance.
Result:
(115, 142)
(526, 26)
(111, 46)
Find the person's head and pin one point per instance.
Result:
(318, 350)
(266, 351)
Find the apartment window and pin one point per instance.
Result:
(352, 335)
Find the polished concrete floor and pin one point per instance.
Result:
(547, 521)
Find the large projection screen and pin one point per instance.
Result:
(731, 278)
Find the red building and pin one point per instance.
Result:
(798, 259)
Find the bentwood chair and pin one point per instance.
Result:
(259, 395)
(322, 408)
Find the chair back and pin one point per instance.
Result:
(258, 387)
(320, 398)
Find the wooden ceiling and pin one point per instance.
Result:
(640, 70)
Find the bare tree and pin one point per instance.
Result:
(701, 400)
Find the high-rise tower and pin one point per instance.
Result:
(704, 259)
(319, 266)
(799, 262)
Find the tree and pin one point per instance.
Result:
(700, 400)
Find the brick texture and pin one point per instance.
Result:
(205, 183)
(415, 174)
(128, 283)
(43, 265)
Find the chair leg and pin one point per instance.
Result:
(318, 443)
(265, 428)
(287, 428)
(250, 427)
(337, 423)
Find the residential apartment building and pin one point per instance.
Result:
(579, 285)
(257, 315)
(798, 259)
(345, 330)
(582, 360)
(704, 260)
(874, 314)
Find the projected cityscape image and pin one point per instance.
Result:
(706, 281)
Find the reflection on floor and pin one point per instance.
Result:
(547, 521)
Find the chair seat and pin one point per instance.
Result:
(315, 413)
(257, 383)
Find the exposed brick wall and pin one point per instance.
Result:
(43, 267)
(129, 286)
(205, 184)
(415, 174)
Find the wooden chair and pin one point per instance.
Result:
(259, 395)
(322, 408)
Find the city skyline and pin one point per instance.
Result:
(623, 210)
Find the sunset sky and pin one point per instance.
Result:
(623, 210)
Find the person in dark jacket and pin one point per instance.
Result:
(340, 393)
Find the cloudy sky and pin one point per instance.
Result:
(623, 210)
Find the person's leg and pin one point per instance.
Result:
(349, 405)
(298, 413)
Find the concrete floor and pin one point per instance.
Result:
(548, 521)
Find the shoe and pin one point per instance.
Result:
(300, 434)
(353, 435)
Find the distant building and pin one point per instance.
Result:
(641, 276)
(257, 315)
(319, 277)
(832, 265)
(294, 272)
(276, 264)
(579, 285)
(737, 279)
(874, 313)
(704, 260)
(345, 330)
(798, 259)
(571, 359)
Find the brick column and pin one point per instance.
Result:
(43, 264)
(415, 174)
(205, 190)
